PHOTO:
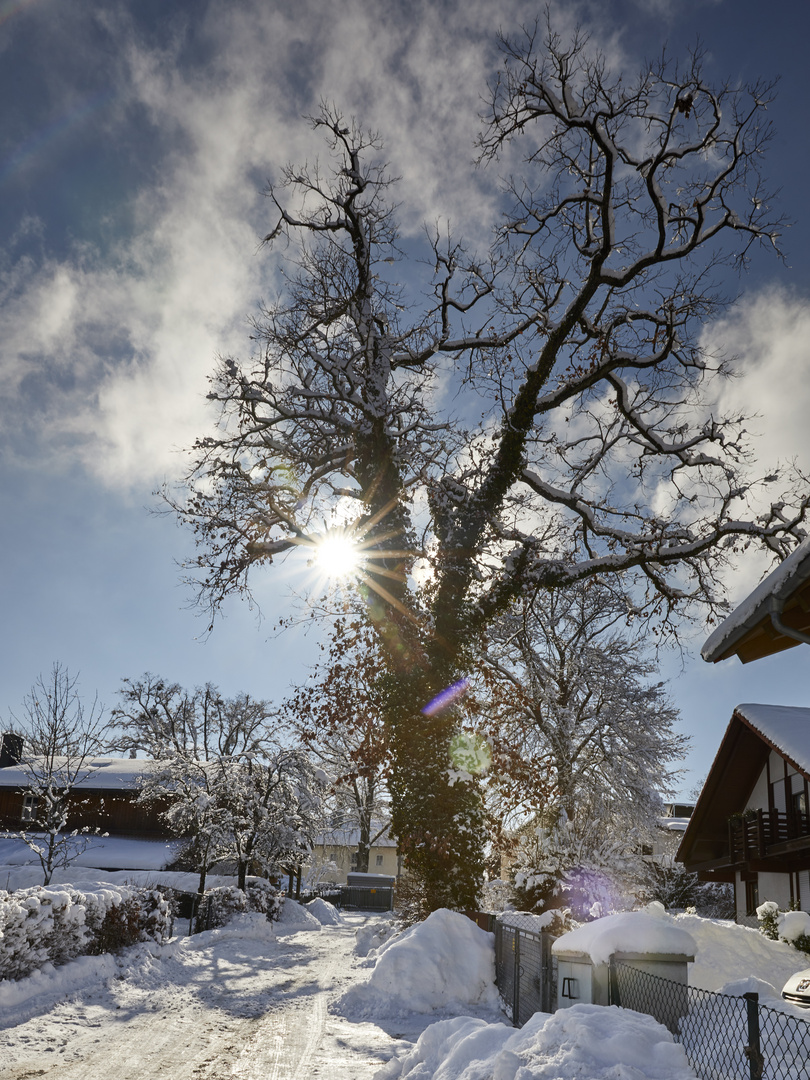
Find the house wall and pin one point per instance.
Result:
(758, 799)
(774, 887)
(110, 811)
(342, 857)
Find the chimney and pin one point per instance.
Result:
(11, 749)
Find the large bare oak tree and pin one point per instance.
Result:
(581, 440)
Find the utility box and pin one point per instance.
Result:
(626, 981)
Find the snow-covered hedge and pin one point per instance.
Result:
(54, 924)
(220, 905)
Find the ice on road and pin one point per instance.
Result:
(229, 1003)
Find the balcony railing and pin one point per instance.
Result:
(753, 836)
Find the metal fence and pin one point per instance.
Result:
(361, 898)
(525, 971)
(725, 1037)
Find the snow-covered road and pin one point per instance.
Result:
(224, 1004)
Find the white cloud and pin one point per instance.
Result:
(117, 344)
(769, 333)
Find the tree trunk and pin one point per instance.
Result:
(438, 821)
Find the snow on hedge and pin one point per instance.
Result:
(593, 1041)
(53, 924)
(444, 963)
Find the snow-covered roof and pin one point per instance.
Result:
(103, 773)
(349, 837)
(101, 852)
(778, 586)
(787, 727)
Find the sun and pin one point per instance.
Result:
(337, 555)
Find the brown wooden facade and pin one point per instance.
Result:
(112, 811)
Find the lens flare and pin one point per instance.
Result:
(446, 697)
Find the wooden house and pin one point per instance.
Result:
(104, 799)
(750, 825)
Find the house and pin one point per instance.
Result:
(750, 825)
(105, 799)
(668, 834)
(774, 617)
(335, 852)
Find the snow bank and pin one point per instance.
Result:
(593, 1041)
(727, 953)
(295, 917)
(371, 937)
(326, 914)
(445, 963)
(648, 931)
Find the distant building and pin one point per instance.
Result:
(335, 852)
(104, 799)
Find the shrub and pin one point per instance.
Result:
(56, 924)
(220, 905)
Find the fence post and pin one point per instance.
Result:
(756, 1062)
(516, 986)
(546, 1003)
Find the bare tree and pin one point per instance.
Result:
(584, 442)
(162, 719)
(579, 724)
(585, 741)
(60, 739)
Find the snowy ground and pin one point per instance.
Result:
(343, 998)
(243, 1001)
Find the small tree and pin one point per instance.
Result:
(60, 737)
(272, 808)
(339, 717)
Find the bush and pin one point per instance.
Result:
(56, 924)
(220, 905)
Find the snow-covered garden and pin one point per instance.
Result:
(322, 993)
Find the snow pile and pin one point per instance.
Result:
(727, 953)
(326, 914)
(593, 1041)
(648, 931)
(294, 917)
(445, 963)
(371, 937)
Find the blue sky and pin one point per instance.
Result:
(135, 141)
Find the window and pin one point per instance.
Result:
(354, 860)
(29, 808)
(379, 860)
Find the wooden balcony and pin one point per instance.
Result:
(767, 833)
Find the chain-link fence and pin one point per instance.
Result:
(725, 1037)
(525, 971)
